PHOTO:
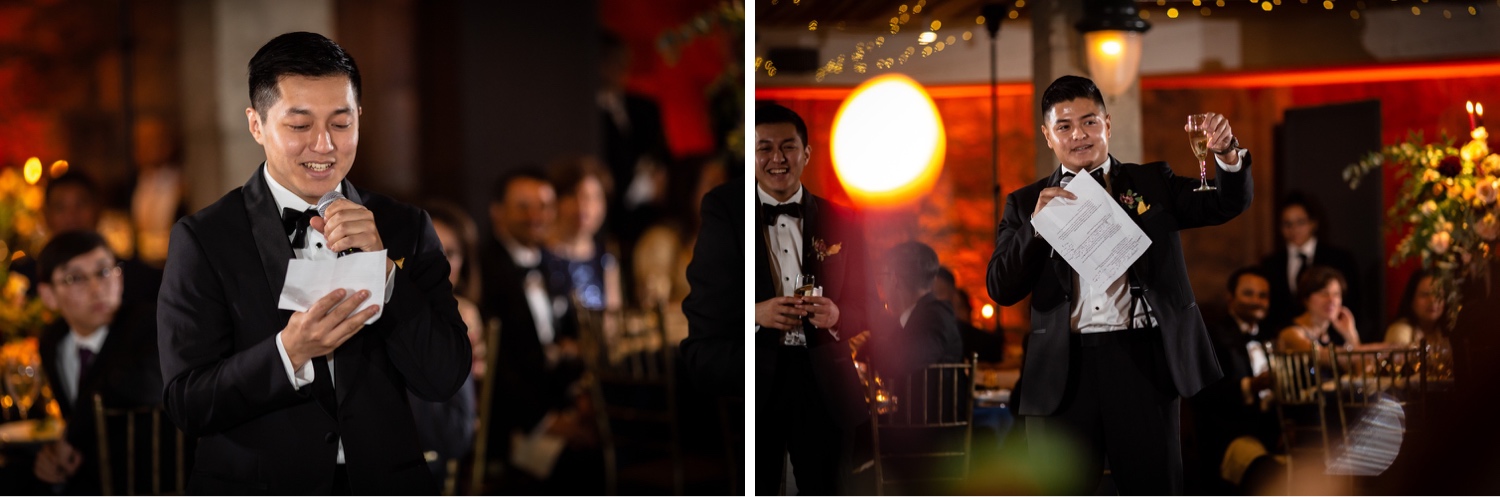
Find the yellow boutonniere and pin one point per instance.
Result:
(823, 250)
(1141, 208)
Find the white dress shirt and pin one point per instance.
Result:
(1103, 308)
(317, 249)
(1294, 263)
(535, 287)
(67, 358)
(784, 240)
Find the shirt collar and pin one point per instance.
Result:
(766, 198)
(285, 199)
(1309, 248)
(1247, 328)
(92, 342)
(523, 256)
(1108, 162)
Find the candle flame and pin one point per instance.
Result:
(1479, 109)
(33, 170)
(1469, 105)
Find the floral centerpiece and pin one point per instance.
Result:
(1446, 208)
(21, 233)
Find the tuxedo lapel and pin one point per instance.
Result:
(812, 222)
(765, 285)
(271, 241)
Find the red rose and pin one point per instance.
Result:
(1450, 166)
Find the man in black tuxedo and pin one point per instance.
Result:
(97, 347)
(919, 329)
(798, 339)
(1300, 222)
(635, 150)
(1106, 366)
(714, 350)
(305, 402)
(538, 348)
(1238, 405)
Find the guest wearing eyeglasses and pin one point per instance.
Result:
(98, 347)
(1301, 228)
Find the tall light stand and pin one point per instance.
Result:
(993, 13)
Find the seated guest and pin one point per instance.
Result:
(1321, 291)
(584, 257)
(71, 203)
(97, 347)
(446, 429)
(924, 329)
(1421, 313)
(1234, 411)
(538, 417)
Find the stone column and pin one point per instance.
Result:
(1058, 50)
(218, 39)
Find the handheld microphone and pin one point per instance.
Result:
(323, 203)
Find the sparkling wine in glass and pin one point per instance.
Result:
(1198, 136)
(22, 380)
(806, 286)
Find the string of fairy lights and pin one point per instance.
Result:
(873, 51)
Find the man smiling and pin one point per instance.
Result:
(1105, 365)
(301, 402)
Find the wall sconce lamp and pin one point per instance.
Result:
(1112, 32)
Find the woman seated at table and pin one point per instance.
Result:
(1421, 313)
(1321, 290)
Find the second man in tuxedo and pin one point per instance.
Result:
(1106, 365)
(808, 397)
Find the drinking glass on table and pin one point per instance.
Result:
(1198, 136)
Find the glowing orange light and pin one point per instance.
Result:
(988, 311)
(33, 170)
(58, 168)
(1111, 47)
(888, 141)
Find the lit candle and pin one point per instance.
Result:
(1479, 109)
(1470, 107)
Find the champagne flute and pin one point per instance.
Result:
(1198, 136)
(22, 379)
(806, 286)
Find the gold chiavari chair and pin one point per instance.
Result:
(1297, 388)
(481, 467)
(632, 381)
(130, 418)
(931, 406)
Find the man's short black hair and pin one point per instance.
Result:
(1068, 88)
(297, 54)
(1234, 278)
(64, 248)
(74, 178)
(497, 193)
(776, 114)
(914, 264)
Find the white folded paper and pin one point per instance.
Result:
(310, 280)
(1093, 234)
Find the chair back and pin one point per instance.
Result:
(924, 421)
(481, 467)
(1296, 378)
(110, 421)
(1364, 375)
(632, 381)
(1297, 385)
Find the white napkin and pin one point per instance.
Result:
(310, 280)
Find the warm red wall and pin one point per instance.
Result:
(957, 220)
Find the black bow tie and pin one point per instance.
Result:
(295, 221)
(1097, 173)
(774, 211)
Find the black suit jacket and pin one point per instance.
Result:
(1025, 265)
(1220, 411)
(226, 383)
(527, 388)
(714, 349)
(125, 373)
(1284, 304)
(930, 336)
(844, 279)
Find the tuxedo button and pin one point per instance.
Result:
(330, 437)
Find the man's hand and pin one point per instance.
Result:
(349, 225)
(1050, 193)
(1220, 138)
(57, 462)
(325, 326)
(779, 313)
(825, 313)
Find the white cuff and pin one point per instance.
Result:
(300, 377)
(1232, 168)
(390, 282)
